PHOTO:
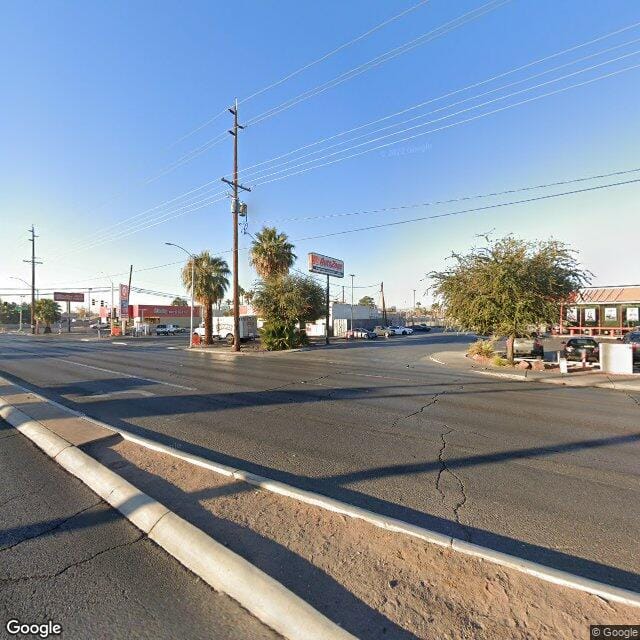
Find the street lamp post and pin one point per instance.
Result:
(353, 275)
(193, 273)
(21, 299)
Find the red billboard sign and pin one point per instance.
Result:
(66, 296)
(326, 265)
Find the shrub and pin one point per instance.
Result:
(278, 336)
(499, 361)
(484, 348)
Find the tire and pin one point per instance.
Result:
(405, 333)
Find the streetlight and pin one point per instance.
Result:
(353, 275)
(21, 300)
(193, 282)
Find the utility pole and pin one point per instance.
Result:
(353, 275)
(235, 205)
(413, 312)
(327, 318)
(384, 308)
(343, 295)
(33, 262)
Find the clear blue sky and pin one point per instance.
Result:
(95, 94)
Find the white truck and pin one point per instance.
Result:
(223, 328)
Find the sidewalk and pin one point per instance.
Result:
(575, 378)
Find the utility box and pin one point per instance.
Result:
(616, 358)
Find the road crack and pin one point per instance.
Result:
(50, 529)
(433, 400)
(444, 469)
(57, 574)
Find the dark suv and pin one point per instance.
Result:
(575, 347)
(633, 338)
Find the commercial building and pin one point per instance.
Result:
(153, 314)
(602, 310)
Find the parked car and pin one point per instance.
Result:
(421, 326)
(575, 347)
(99, 325)
(167, 329)
(633, 338)
(381, 330)
(360, 332)
(400, 331)
(528, 347)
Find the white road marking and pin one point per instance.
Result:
(507, 376)
(109, 394)
(128, 375)
(122, 343)
(438, 361)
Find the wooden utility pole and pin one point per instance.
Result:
(235, 206)
(33, 262)
(327, 316)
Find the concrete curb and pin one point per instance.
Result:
(549, 574)
(221, 568)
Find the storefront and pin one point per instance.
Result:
(602, 311)
(153, 314)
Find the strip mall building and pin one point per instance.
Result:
(602, 311)
(158, 314)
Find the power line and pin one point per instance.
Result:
(295, 171)
(450, 115)
(451, 93)
(448, 126)
(187, 207)
(299, 70)
(253, 174)
(461, 199)
(381, 59)
(475, 209)
(521, 189)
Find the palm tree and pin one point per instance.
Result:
(211, 283)
(271, 253)
(47, 312)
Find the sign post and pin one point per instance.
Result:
(68, 297)
(124, 305)
(329, 267)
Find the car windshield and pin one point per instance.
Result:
(583, 342)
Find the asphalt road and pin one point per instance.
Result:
(543, 471)
(66, 556)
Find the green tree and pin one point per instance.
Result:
(211, 282)
(179, 302)
(271, 253)
(510, 286)
(47, 312)
(284, 302)
(367, 301)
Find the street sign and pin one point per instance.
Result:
(326, 265)
(65, 296)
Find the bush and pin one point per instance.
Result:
(278, 336)
(484, 348)
(499, 361)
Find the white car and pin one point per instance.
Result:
(400, 331)
(167, 329)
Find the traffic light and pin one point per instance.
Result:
(102, 303)
(93, 302)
